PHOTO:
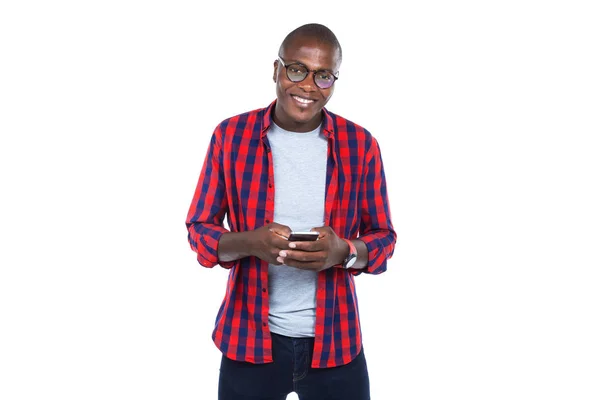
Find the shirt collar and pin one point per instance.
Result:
(326, 124)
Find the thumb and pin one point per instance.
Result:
(281, 230)
(323, 231)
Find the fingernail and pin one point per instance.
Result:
(282, 253)
(293, 245)
(279, 259)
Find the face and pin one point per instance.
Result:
(299, 104)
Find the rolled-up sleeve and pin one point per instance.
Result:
(209, 206)
(376, 229)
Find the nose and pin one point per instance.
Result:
(308, 84)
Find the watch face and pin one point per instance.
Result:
(350, 262)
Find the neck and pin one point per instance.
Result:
(297, 126)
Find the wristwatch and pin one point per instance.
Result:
(351, 258)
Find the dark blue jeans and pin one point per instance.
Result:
(289, 372)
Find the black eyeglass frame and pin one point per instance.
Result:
(314, 72)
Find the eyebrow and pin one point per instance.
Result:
(316, 69)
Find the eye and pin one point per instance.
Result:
(296, 68)
(326, 76)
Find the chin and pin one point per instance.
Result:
(302, 116)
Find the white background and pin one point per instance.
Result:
(488, 118)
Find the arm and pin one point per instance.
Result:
(376, 231)
(264, 243)
(362, 258)
(234, 245)
(209, 206)
(208, 238)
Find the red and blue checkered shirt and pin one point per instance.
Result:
(237, 181)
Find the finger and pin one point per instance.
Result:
(323, 231)
(277, 244)
(302, 256)
(315, 245)
(281, 235)
(281, 230)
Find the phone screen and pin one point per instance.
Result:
(303, 236)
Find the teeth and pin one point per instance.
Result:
(301, 100)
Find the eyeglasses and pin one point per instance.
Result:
(297, 72)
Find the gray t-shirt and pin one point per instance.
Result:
(300, 168)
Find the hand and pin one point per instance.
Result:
(327, 251)
(267, 241)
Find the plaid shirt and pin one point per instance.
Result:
(237, 181)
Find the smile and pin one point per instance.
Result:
(302, 101)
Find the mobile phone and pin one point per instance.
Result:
(303, 236)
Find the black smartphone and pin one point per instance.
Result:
(303, 236)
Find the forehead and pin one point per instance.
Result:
(313, 53)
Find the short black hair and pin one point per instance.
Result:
(317, 31)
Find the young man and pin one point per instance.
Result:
(289, 320)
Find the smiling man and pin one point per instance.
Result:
(289, 320)
(300, 100)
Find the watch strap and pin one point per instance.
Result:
(352, 255)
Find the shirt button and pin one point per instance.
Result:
(264, 290)
(264, 324)
(270, 185)
(268, 221)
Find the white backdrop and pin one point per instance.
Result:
(488, 118)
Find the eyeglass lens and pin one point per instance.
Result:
(298, 72)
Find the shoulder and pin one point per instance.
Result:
(345, 129)
(245, 123)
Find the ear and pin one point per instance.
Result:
(275, 69)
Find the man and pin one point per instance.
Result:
(289, 320)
